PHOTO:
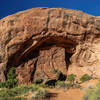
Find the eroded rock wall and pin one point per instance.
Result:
(26, 36)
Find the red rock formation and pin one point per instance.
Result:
(39, 40)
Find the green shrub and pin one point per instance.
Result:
(40, 93)
(17, 92)
(76, 85)
(38, 81)
(11, 74)
(2, 85)
(22, 89)
(43, 85)
(12, 98)
(11, 79)
(25, 88)
(71, 78)
(92, 93)
(61, 84)
(10, 83)
(85, 77)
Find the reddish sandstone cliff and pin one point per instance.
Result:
(40, 40)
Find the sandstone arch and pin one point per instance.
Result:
(43, 31)
(51, 53)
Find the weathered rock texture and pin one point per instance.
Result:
(41, 40)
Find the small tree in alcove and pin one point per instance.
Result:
(71, 78)
(11, 81)
(85, 77)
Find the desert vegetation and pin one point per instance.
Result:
(9, 90)
(11, 81)
(85, 78)
(22, 92)
(93, 93)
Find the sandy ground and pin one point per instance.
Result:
(72, 94)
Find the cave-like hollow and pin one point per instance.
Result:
(45, 44)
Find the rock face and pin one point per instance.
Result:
(41, 41)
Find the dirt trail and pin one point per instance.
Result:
(72, 94)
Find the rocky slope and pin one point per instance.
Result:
(41, 40)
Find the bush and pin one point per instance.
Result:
(10, 83)
(12, 98)
(61, 84)
(43, 85)
(13, 93)
(85, 77)
(22, 89)
(76, 85)
(71, 78)
(11, 79)
(2, 85)
(93, 93)
(38, 81)
(41, 93)
(11, 74)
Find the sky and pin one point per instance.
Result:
(8, 7)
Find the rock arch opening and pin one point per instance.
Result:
(50, 54)
(67, 59)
